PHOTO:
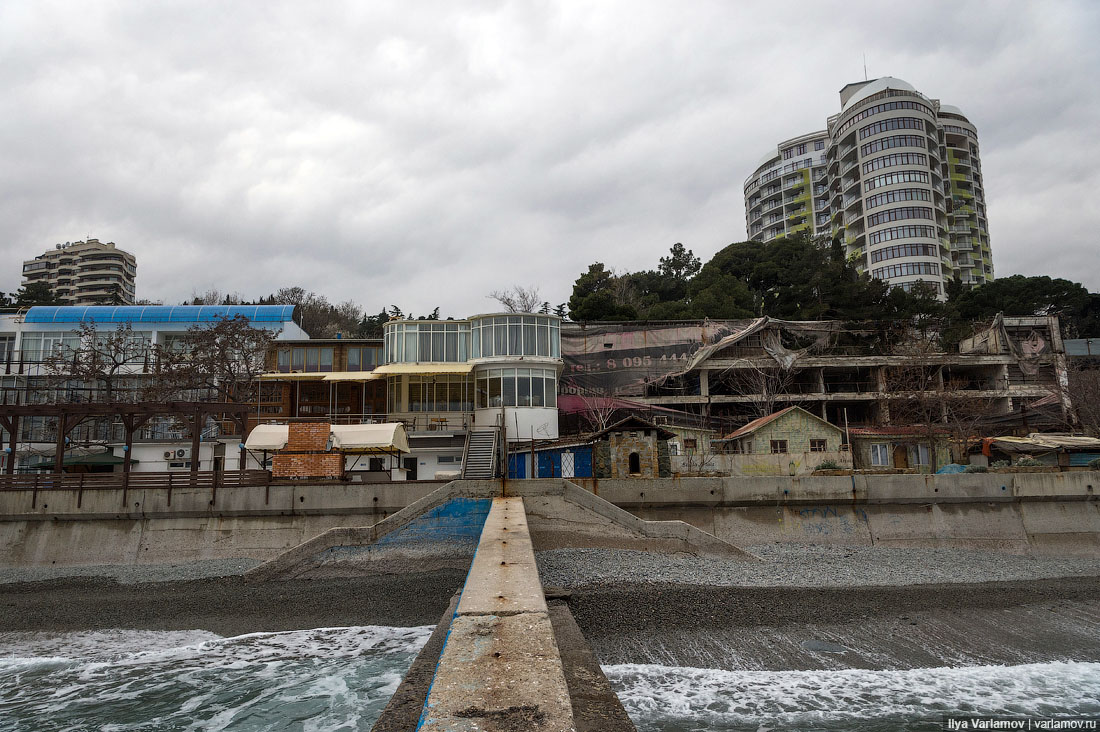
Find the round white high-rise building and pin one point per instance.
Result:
(900, 185)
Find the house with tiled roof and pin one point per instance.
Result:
(791, 441)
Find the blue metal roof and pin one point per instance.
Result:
(158, 313)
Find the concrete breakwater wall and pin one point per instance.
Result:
(1023, 512)
(1045, 513)
(151, 527)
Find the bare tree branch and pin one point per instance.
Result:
(518, 299)
(226, 358)
(101, 359)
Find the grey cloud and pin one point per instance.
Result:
(424, 155)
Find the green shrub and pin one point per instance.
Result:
(1028, 462)
(828, 465)
(999, 464)
(1094, 464)
(976, 469)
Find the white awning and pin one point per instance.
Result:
(267, 437)
(311, 376)
(370, 438)
(353, 376)
(424, 368)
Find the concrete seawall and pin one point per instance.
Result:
(561, 515)
(1022, 512)
(1055, 513)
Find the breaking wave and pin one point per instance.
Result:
(115, 680)
(681, 699)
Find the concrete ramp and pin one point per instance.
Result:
(438, 531)
(441, 530)
(563, 515)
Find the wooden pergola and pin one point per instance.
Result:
(133, 416)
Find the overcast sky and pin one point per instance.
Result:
(423, 154)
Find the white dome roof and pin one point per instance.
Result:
(874, 87)
(952, 109)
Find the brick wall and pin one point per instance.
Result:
(305, 455)
(307, 465)
(308, 435)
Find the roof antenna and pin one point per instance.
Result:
(865, 67)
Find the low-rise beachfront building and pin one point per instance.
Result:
(30, 339)
(490, 371)
(456, 386)
(791, 441)
(629, 448)
(922, 449)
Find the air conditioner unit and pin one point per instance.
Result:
(169, 454)
(183, 453)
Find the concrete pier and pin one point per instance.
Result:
(500, 668)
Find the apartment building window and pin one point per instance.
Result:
(900, 214)
(819, 144)
(778, 446)
(897, 123)
(819, 445)
(889, 161)
(7, 348)
(889, 179)
(903, 194)
(880, 454)
(902, 232)
(905, 270)
(788, 153)
(903, 250)
(959, 130)
(886, 143)
(887, 107)
(908, 286)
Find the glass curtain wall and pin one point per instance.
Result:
(427, 341)
(515, 335)
(516, 388)
(438, 393)
(305, 359)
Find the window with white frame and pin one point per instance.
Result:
(920, 455)
(516, 388)
(880, 454)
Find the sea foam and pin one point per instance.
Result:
(323, 679)
(667, 697)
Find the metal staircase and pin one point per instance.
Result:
(479, 457)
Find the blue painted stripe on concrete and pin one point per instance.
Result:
(424, 712)
(458, 518)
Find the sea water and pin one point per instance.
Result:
(324, 679)
(679, 699)
(341, 678)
